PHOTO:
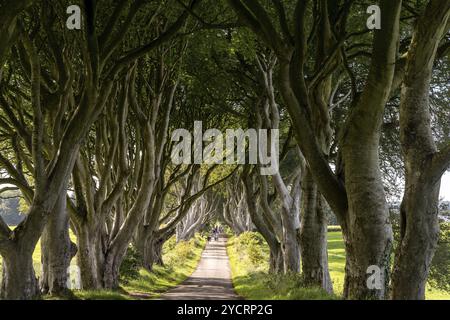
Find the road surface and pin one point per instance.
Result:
(210, 281)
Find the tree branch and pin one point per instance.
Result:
(38, 121)
(139, 52)
(441, 161)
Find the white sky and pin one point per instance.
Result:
(445, 186)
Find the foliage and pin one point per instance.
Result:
(439, 277)
(23, 206)
(395, 222)
(250, 246)
(251, 279)
(130, 266)
(176, 253)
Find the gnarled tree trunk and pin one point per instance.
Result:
(89, 254)
(276, 263)
(143, 242)
(313, 237)
(367, 231)
(359, 201)
(57, 251)
(111, 268)
(18, 279)
(424, 165)
(150, 245)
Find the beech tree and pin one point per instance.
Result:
(99, 69)
(424, 162)
(235, 208)
(363, 215)
(200, 213)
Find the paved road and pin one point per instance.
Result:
(210, 281)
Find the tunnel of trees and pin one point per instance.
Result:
(87, 115)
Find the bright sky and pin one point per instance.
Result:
(445, 186)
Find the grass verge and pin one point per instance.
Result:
(180, 261)
(248, 259)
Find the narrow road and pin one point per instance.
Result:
(210, 281)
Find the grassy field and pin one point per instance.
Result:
(180, 262)
(251, 280)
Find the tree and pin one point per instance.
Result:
(424, 164)
(51, 175)
(356, 193)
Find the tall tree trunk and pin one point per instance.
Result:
(359, 201)
(313, 230)
(424, 165)
(313, 237)
(57, 251)
(157, 251)
(115, 253)
(290, 221)
(367, 230)
(89, 253)
(111, 268)
(276, 263)
(291, 248)
(142, 243)
(419, 237)
(18, 279)
(149, 245)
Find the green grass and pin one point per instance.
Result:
(252, 281)
(336, 260)
(100, 295)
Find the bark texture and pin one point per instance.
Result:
(424, 164)
(57, 251)
(19, 281)
(357, 197)
(313, 237)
